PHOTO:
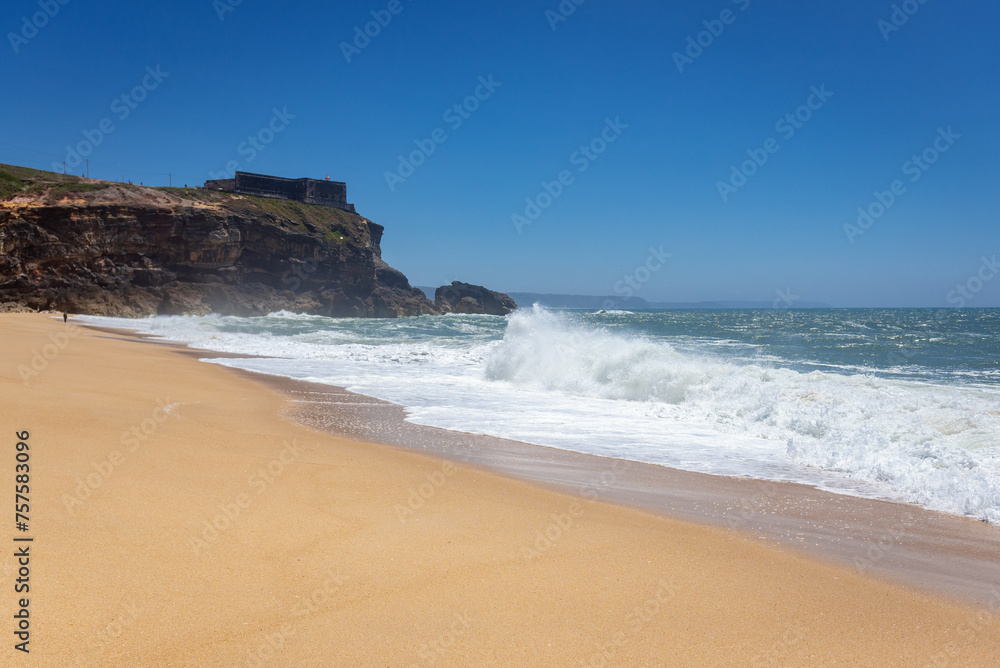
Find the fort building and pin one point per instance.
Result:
(308, 191)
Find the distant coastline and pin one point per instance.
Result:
(527, 299)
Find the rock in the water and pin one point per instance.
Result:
(464, 298)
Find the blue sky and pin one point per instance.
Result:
(224, 68)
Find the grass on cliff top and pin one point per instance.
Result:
(16, 180)
(37, 175)
(336, 225)
(9, 185)
(58, 192)
(198, 194)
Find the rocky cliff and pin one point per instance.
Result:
(102, 248)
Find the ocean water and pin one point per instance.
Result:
(894, 404)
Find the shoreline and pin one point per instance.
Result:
(940, 553)
(325, 550)
(953, 556)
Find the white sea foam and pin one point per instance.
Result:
(708, 406)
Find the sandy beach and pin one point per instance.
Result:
(180, 517)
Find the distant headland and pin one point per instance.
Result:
(246, 246)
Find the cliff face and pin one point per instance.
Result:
(111, 249)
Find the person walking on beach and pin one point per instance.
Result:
(65, 317)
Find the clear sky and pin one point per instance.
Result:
(264, 86)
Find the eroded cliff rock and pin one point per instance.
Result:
(102, 248)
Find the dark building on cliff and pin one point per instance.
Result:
(308, 191)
